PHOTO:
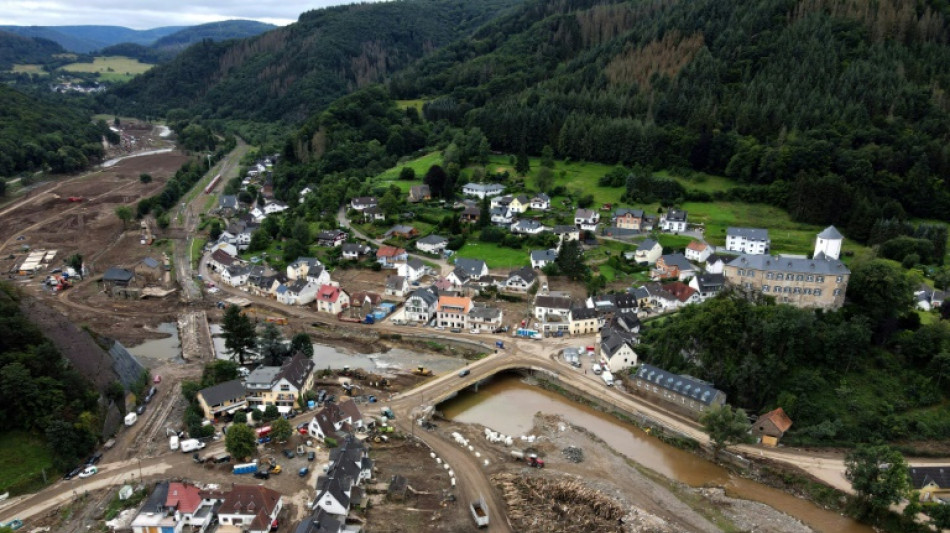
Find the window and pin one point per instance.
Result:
(820, 279)
(768, 275)
(779, 277)
(741, 272)
(750, 273)
(786, 290)
(798, 290)
(837, 292)
(765, 288)
(810, 278)
(807, 291)
(839, 279)
(817, 292)
(800, 278)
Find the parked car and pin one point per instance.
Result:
(303, 428)
(261, 475)
(94, 458)
(88, 472)
(311, 456)
(14, 524)
(264, 440)
(140, 409)
(303, 471)
(288, 453)
(73, 473)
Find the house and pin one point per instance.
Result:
(471, 214)
(484, 319)
(519, 204)
(249, 508)
(528, 226)
(220, 260)
(500, 201)
(228, 203)
(654, 296)
(339, 489)
(933, 482)
(673, 221)
(708, 285)
(433, 244)
(672, 266)
(553, 312)
(303, 194)
(609, 306)
(714, 264)
(320, 521)
(541, 202)
(265, 285)
(225, 247)
(300, 292)
(176, 507)
(452, 312)
(396, 286)
(686, 394)
(236, 275)
(413, 269)
(302, 266)
(354, 251)
(150, 270)
(683, 292)
(697, 251)
(118, 277)
(820, 282)
(648, 252)
(374, 214)
(501, 216)
(361, 203)
(482, 190)
(331, 238)
(567, 233)
(828, 243)
(336, 418)
(542, 258)
(474, 268)
(616, 351)
(586, 219)
(280, 386)
(274, 206)
(318, 275)
(421, 305)
(388, 256)
(752, 241)
(519, 280)
(929, 299)
(773, 424)
(583, 321)
(258, 214)
(222, 398)
(332, 299)
(627, 219)
(400, 231)
(419, 193)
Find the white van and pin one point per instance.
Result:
(173, 442)
(191, 445)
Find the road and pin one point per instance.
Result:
(444, 266)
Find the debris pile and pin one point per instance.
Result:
(573, 454)
(545, 505)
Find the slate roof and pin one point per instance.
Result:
(754, 234)
(432, 240)
(337, 486)
(156, 500)
(646, 245)
(709, 282)
(524, 273)
(562, 229)
(399, 228)
(526, 224)
(552, 302)
(415, 263)
(429, 295)
(609, 344)
(543, 255)
(309, 261)
(394, 282)
(677, 215)
(921, 476)
(584, 213)
(151, 262)
(330, 235)
(228, 201)
(712, 259)
(620, 211)
(222, 392)
(118, 274)
(583, 313)
(355, 248)
(253, 500)
(297, 370)
(485, 187)
(485, 313)
(777, 263)
(830, 233)
(320, 522)
(472, 267)
(688, 386)
(677, 260)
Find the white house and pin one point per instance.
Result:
(501, 216)
(413, 269)
(452, 312)
(541, 202)
(714, 264)
(318, 275)
(390, 256)
(250, 508)
(433, 244)
(396, 286)
(482, 190)
(236, 275)
(258, 214)
(333, 418)
(829, 243)
(331, 238)
(586, 219)
(698, 251)
(354, 251)
(484, 319)
(421, 305)
(648, 252)
(528, 226)
(225, 247)
(274, 207)
(300, 292)
(752, 241)
(542, 258)
(332, 299)
(707, 285)
(301, 267)
(546, 306)
(519, 280)
(467, 269)
(617, 352)
(567, 233)
(361, 203)
(673, 221)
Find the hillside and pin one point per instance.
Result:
(18, 49)
(292, 71)
(85, 39)
(38, 133)
(836, 113)
(216, 31)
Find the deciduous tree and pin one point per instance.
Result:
(281, 430)
(124, 213)
(301, 343)
(726, 426)
(878, 473)
(241, 442)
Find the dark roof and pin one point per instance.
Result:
(364, 200)
(330, 235)
(713, 258)
(620, 211)
(297, 369)
(562, 229)
(830, 232)
(554, 302)
(484, 313)
(253, 500)
(429, 295)
(921, 476)
(395, 282)
(221, 392)
(777, 263)
(151, 262)
(473, 267)
(228, 201)
(524, 273)
(710, 281)
(432, 240)
(682, 385)
(415, 263)
(678, 260)
(222, 257)
(676, 214)
(755, 234)
(609, 344)
(320, 522)
(647, 245)
(118, 274)
(583, 313)
(352, 247)
(156, 500)
(543, 255)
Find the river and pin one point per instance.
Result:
(492, 405)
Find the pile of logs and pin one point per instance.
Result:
(547, 505)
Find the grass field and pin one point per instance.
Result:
(495, 256)
(23, 456)
(420, 165)
(112, 68)
(405, 104)
(29, 69)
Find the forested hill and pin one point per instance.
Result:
(827, 107)
(18, 49)
(295, 70)
(216, 31)
(37, 134)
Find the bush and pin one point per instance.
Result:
(330, 442)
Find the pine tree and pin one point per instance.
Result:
(239, 334)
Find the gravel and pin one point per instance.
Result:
(573, 454)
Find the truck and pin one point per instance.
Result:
(263, 431)
(222, 457)
(608, 378)
(530, 458)
(479, 512)
(528, 334)
(422, 371)
(388, 413)
(131, 419)
(245, 468)
(190, 445)
(173, 442)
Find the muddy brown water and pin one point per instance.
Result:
(508, 405)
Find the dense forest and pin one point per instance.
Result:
(39, 391)
(869, 371)
(833, 109)
(40, 132)
(18, 49)
(216, 31)
(296, 70)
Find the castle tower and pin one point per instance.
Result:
(829, 243)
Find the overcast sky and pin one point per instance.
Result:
(145, 14)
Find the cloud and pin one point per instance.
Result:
(144, 14)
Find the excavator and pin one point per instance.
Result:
(422, 371)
